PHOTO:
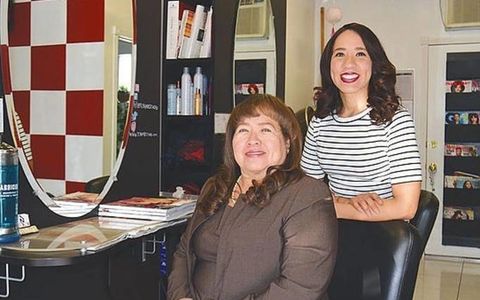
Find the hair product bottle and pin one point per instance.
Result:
(186, 92)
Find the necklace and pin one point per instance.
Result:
(236, 192)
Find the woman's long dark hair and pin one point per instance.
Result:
(381, 89)
(217, 190)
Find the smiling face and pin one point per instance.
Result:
(350, 65)
(258, 143)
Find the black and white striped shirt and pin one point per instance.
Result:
(360, 157)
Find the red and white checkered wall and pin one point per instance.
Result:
(57, 80)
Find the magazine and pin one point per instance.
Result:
(462, 86)
(458, 213)
(81, 198)
(143, 216)
(466, 150)
(462, 117)
(462, 182)
(161, 209)
(249, 88)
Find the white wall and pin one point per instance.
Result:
(300, 65)
(405, 28)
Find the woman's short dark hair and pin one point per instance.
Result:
(218, 188)
(381, 89)
(456, 84)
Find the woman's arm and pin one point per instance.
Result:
(309, 251)
(369, 207)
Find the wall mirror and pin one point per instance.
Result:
(68, 82)
(254, 52)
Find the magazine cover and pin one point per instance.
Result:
(153, 203)
(466, 150)
(458, 86)
(462, 182)
(458, 213)
(81, 197)
(249, 88)
(456, 118)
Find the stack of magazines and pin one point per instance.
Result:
(74, 204)
(159, 209)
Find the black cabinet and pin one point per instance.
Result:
(461, 194)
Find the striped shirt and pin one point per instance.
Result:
(360, 157)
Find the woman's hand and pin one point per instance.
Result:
(368, 203)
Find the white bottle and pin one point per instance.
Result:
(198, 86)
(198, 80)
(186, 92)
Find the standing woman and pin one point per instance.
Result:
(261, 229)
(361, 138)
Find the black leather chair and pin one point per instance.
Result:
(426, 214)
(96, 185)
(379, 260)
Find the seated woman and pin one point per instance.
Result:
(361, 137)
(261, 229)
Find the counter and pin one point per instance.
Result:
(95, 258)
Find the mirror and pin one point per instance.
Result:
(254, 52)
(68, 89)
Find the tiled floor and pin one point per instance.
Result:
(448, 279)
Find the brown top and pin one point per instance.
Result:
(205, 244)
(285, 250)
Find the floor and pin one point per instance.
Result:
(448, 279)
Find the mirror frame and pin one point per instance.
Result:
(38, 191)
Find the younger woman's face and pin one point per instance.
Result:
(351, 65)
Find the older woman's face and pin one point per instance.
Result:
(258, 143)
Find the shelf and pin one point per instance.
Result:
(462, 133)
(462, 229)
(191, 180)
(463, 65)
(183, 119)
(188, 62)
(461, 197)
(465, 164)
(462, 102)
(178, 167)
(461, 241)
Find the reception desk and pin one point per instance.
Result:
(95, 258)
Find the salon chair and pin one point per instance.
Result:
(96, 184)
(379, 260)
(426, 214)
(303, 117)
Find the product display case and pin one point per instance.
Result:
(453, 162)
(187, 135)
